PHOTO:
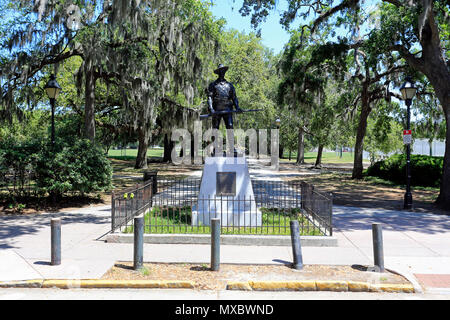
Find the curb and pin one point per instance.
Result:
(335, 286)
(22, 284)
(99, 284)
(243, 240)
(411, 278)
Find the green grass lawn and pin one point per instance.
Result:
(178, 221)
(327, 157)
(310, 157)
(130, 154)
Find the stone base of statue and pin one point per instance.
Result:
(226, 192)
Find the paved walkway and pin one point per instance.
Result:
(414, 244)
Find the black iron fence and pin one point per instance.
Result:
(176, 206)
(318, 204)
(17, 183)
(127, 204)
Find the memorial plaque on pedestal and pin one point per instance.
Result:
(226, 183)
(226, 192)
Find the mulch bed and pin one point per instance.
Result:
(205, 279)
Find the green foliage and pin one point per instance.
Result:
(432, 125)
(426, 171)
(384, 133)
(30, 126)
(252, 72)
(79, 168)
(17, 159)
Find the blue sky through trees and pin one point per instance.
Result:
(273, 35)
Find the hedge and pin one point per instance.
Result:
(426, 171)
(76, 168)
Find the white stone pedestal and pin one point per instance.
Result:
(238, 209)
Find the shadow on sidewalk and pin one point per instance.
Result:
(12, 227)
(353, 219)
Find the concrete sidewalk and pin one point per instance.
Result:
(413, 244)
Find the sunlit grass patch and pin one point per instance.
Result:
(178, 220)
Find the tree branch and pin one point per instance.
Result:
(416, 63)
(388, 72)
(324, 16)
(394, 2)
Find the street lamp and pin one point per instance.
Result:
(53, 89)
(278, 123)
(408, 91)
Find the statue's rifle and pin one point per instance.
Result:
(221, 113)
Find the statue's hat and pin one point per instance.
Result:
(220, 68)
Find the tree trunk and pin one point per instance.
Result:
(361, 133)
(434, 66)
(168, 146)
(444, 196)
(281, 152)
(301, 146)
(319, 157)
(192, 150)
(141, 159)
(430, 142)
(438, 73)
(89, 106)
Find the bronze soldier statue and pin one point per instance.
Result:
(221, 99)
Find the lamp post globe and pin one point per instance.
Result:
(52, 88)
(278, 123)
(408, 91)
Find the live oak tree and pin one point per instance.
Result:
(418, 30)
(313, 86)
(39, 37)
(373, 79)
(150, 49)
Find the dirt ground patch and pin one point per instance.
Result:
(37, 206)
(205, 279)
(124, 167)
(369, 194)
(125, 176)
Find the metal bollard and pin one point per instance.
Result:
(215, 244)
(138, 243)
(378, 254)
(296, 247)
(55, 241)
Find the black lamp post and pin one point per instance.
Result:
(408, 91)
(53, 89)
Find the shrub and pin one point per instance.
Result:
(79, 168)
(16, 164)
(426, 171)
